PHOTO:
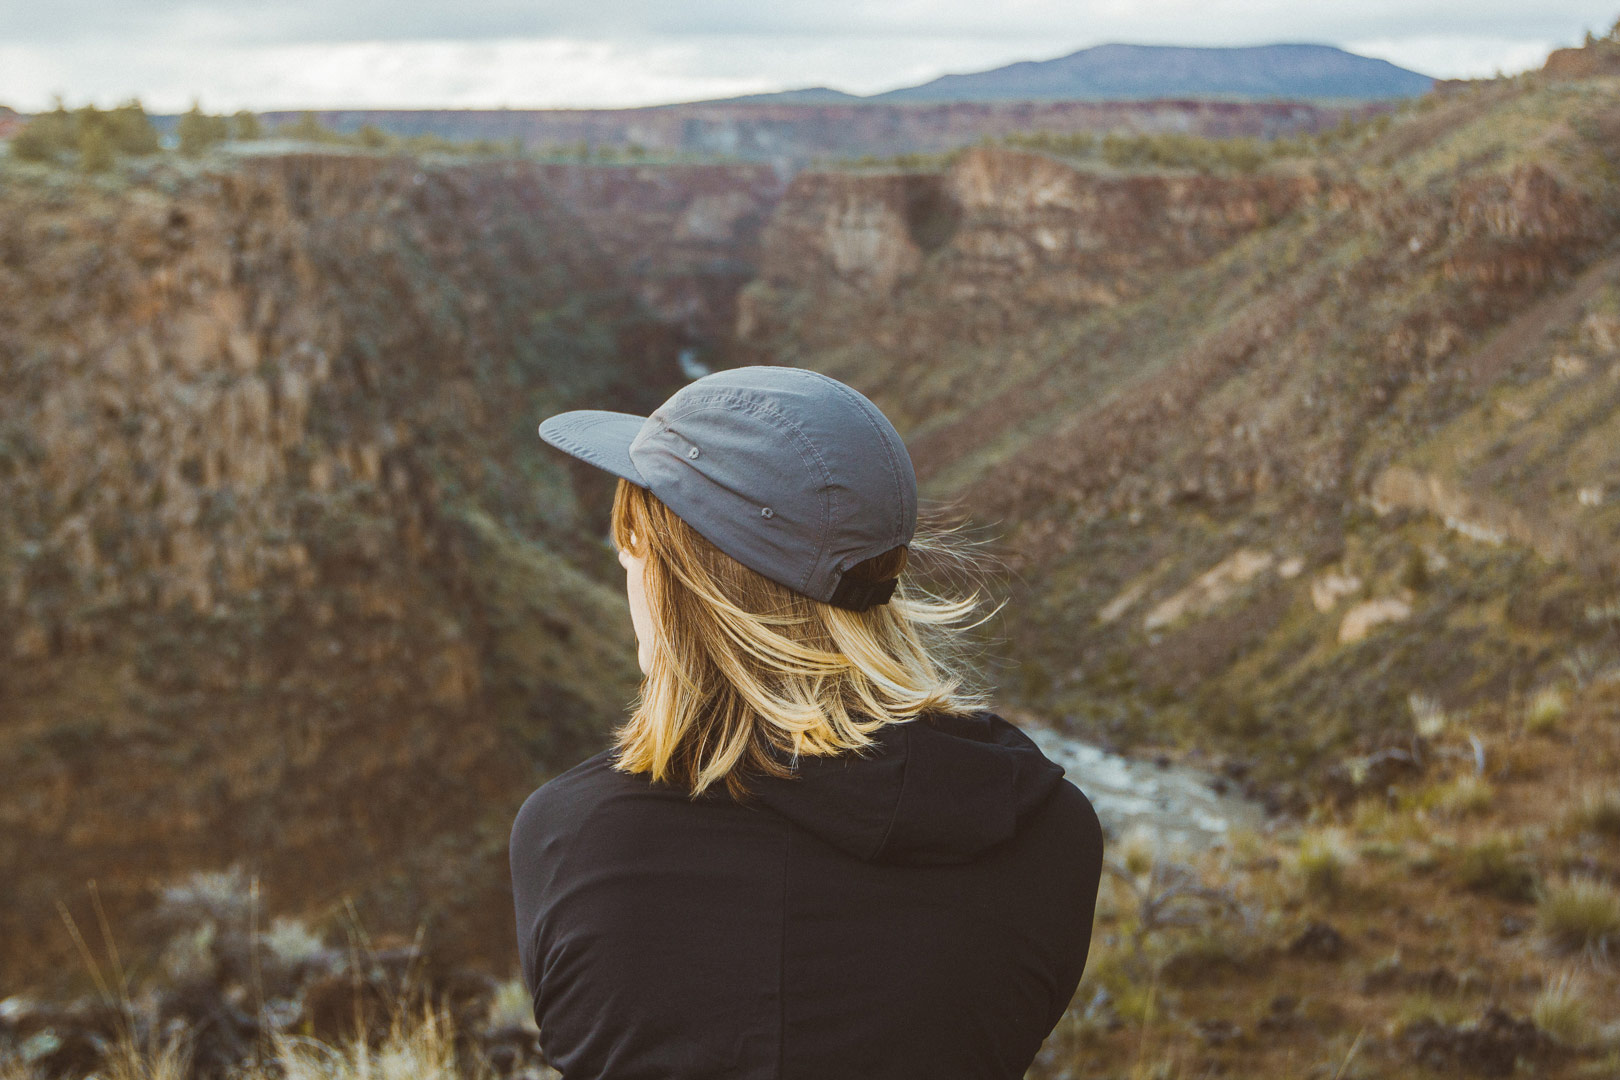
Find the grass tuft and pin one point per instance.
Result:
(131, 1060)
(1429, 718)
(1580, 913)
(16, 1069)
(1560, 1010)
(511, 1006)
(1321, 863)
(1139, 850)
(1546, 712)
(1597, 809)
(418, 1047)
(1467, 794)
(1492, 866)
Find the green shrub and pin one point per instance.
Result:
(308, 128)
(95, 150)
(130, 130)
(47, 136)
(199, 132)
(245, 126)
(94, 135)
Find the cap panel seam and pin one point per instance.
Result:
(806, 447)
(862, 405)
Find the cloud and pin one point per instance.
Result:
(542, 53)
(1459, 57)
(222, 22)
(521, 74)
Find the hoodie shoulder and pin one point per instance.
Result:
(564, 799)
(1075, 820)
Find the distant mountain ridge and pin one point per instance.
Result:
(1137, 72)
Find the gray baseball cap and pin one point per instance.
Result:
(793, 474)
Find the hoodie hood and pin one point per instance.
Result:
(939, 789)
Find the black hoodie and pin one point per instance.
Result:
(922, 911)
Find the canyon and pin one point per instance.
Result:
(287, 582)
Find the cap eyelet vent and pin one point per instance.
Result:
(692, 453)
(766, 512)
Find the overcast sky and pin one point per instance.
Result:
(547, 53)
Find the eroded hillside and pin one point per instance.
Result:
(1269, 454)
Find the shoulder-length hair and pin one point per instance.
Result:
(746, 675)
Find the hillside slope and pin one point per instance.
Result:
(286, 579)
(1353, 439)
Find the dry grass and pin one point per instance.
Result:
(1321, 863)
(1429, 719)
(1581, 913)
(418, 1047)
(1467, 794)
(1428, 1005)
(1138, 850)
(129, 1060)
(1597, 810)
(421, 1042)
(511, 1006)
(1547, 711)
(1561, 1010)
(1493, 866)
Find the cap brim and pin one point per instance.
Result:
(597, 437)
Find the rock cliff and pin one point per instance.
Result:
(1000, 243)
(1393, 369)
(286, 580)
(686, 236)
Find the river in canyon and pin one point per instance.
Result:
(1183, 808)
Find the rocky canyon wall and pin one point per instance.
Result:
(686, 236)
(286, 579)
(1267, 454)
(900, 266)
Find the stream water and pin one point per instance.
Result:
(1178, 804)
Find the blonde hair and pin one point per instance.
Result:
(745, 672)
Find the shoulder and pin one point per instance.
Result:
(566, 799)
(1071, 815)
